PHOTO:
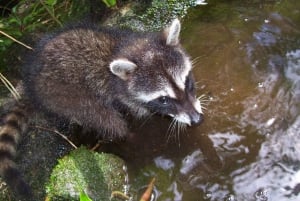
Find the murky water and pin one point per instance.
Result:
(247, 63)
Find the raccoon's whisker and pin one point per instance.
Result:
(204, 105)
(205, 101)
(177, 136)
(171, 129)
(179, 131)
(147, 119)
(197, 82)
(195, 60)
(178, 128)
(204, 108)
(201, 97)
(184, 127)
(181, 128)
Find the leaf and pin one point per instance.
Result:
(51, 2)
(14, 20)
(110, 3)
(84, 197)
(147, 194)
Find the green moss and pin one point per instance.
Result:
(85, 171)
(161, 12)
(4, 192)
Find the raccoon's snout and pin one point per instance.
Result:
(191, 119)
(196, 119)
(196, 116)
(191, 112)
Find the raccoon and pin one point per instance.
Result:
(92, 75)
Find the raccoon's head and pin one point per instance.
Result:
(157, 73)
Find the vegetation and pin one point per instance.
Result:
(24, 17)
(110, 3)
(84, 197)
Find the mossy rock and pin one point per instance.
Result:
(96, 174)
(4, 192)
(151, 16)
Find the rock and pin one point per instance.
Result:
(95, 174)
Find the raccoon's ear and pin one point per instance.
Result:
(122, 68)
(172, 33)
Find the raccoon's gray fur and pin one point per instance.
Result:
(92, 75)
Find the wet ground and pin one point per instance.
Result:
(247, 63)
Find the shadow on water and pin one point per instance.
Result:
(247, 63)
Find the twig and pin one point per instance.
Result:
(58, 133)
(10, 87)
(13, 39)
(50, 13)
(96, 146)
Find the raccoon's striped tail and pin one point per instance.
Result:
(14, 124)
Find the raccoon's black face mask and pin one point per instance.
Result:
(184, 108)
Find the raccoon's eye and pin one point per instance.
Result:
(164, 100)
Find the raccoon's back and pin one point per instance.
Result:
(68, 62)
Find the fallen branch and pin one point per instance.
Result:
(58, 133)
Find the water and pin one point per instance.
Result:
(247, 63)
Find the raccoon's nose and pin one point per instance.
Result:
(197, 119)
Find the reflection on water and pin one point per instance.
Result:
(276, 172)
(247, 63)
